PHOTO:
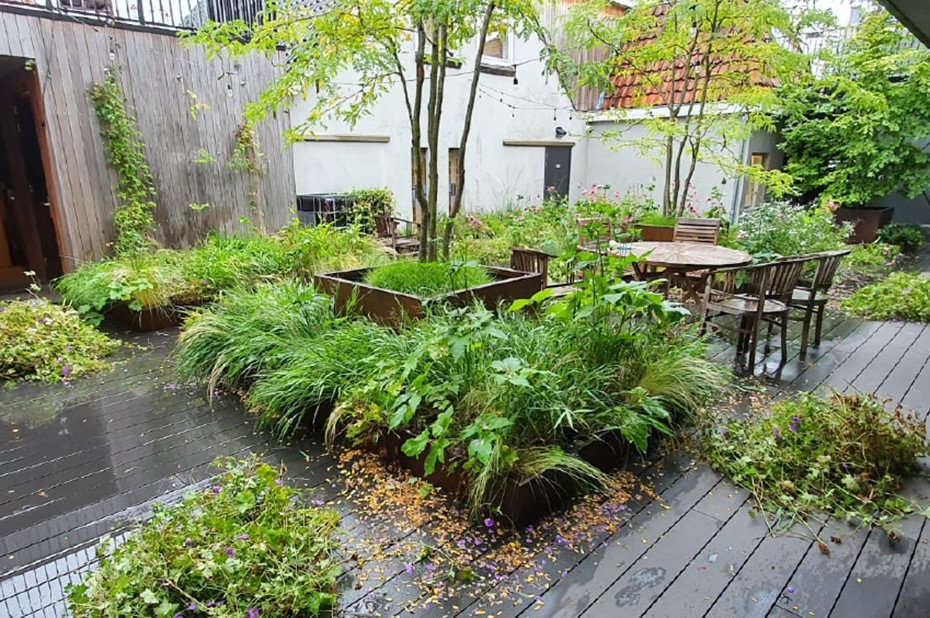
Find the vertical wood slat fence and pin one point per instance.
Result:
(162, 81)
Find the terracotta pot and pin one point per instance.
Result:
(866, 221)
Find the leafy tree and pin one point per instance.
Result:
(354, 51)
(852, 134)
(725, 51)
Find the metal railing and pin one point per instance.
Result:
(174, 14)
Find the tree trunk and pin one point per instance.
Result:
(456, 206)
(667, 203)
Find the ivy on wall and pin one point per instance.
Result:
(247, 157)
(133, 218)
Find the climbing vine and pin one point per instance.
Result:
(133, 218)
(248, 157)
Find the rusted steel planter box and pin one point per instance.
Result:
(521, 502)
(393, 308)
(147, 320)
(656, 233)
(866, 221)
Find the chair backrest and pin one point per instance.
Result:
(781, 277)
(697, 230)
(385, 226)
(827, 265)
(530, 261)
(593, 233)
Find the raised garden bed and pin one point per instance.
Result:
(146, 320)
(866, 221)
(348, 289)
(521, 502)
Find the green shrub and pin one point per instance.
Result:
(43, 341)
(906, 236)
(903, 296)
(426, 278)
(139, 280)
(844, 455)
(779, 228)
(244, 547)
(657, 218)
(499, 395)
(871, 259)
(248, 331)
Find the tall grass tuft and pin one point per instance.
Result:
(426, 278)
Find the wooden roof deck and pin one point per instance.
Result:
(80, 463)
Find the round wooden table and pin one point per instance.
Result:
(680, 258)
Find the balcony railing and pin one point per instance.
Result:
(174, 14)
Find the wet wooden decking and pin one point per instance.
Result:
(80, 462)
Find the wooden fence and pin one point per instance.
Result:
(184, 104)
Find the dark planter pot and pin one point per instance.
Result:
(348, 288)
(606, 453)
(520, 503)
(655, 233)
(866, 221)
(146, 320)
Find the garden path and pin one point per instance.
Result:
(77, 463)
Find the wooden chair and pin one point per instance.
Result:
(811, 297)
(764, 297)
(697, 230)
(530, 261)
(386, 231)
(594, 234)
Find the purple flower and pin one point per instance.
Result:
(192, 606)
(776, 433)
(724, 432)
(796, 420)
(243, 537)
(230, 552)
(790, 589)
(66, 370)
(205, 283)
(430, 567)
(408, 568)
(216, 489)
(489, 523)
(278, 481)
(251, 612)
(179, 616)
(188, 542)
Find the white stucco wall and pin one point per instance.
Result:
(621, 164)
(495, 174)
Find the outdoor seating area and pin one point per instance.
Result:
(365, 309)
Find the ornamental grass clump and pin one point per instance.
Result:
(427, 279)
(245, 546)
(47, 342)
(844, 455)
(901, 296)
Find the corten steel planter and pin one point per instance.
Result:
(655, 233)
(348, 289)
(866, 221)
(520, 503)
(147, 320)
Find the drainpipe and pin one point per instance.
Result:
(740, 182)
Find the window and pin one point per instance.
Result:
(424, 161)
(498, 47)
(755, 192)
(453, 175)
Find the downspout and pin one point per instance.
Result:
(740, 183)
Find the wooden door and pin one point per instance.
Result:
(27, 229)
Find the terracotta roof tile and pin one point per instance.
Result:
(655, 85)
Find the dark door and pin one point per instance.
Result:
(558, 171)
(28, 230)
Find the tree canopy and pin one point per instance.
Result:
(854, 133)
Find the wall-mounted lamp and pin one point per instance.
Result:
(560, 132)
